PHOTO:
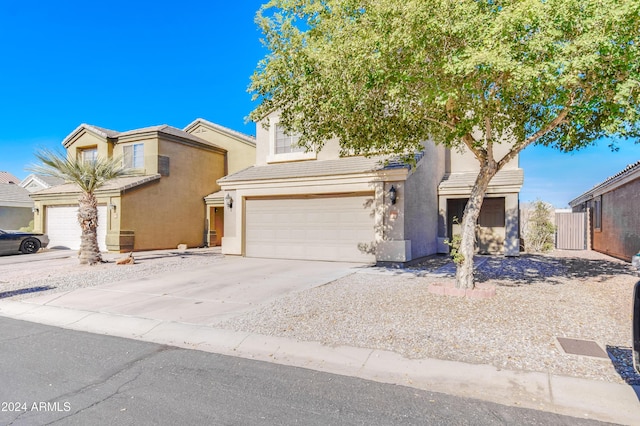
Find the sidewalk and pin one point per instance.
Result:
(179, 324)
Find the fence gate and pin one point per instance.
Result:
(571, 231)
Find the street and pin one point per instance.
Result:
(51, 375)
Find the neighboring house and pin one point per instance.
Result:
(241, 151)
(6, 177)
(306, 205)
(614, 213)
(160, 206)
(34, 183)
(15, 204)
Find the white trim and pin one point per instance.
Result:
(247, 139)
(272, 157)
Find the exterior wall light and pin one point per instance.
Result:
(111, 207)
(393, 194)
(229, 201)
(35, 210)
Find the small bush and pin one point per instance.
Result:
(540, 230)
(28, 228)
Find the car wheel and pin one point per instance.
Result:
(30, 245)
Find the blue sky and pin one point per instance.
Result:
(129, 64)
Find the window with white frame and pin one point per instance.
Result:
(134, 156)
(285, 143)
(88, 155)
(284, 147)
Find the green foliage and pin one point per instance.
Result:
(89, 176)
(384, 75)
(540, 230)
(28, 228)
(454, 246)
(454, 249)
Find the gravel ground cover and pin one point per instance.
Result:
(39, 278)
(582, 295)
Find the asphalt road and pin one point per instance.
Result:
(50, 375)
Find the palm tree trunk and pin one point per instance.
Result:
(88, 219)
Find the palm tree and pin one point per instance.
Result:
(89, 176)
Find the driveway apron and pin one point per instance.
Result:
(206, 295)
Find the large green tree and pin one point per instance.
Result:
(383, 76)
(88, 176)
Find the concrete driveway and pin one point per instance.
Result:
(205, 295)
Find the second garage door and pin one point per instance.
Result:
(323, 228)
(64, 230)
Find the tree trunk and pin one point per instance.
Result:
(464, 269)
(88, 219)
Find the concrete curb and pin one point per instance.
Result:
(570, 396)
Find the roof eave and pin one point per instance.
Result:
(247, 139)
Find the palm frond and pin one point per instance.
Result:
(89, 176)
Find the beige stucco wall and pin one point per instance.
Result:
(240, 153)
(264, 136)
(233, 240)
(150, 150)
(172, 211)
(421, 191)
(15, 217)
(71, 199)
(457, 161)
(87, 139)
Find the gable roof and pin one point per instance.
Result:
(13, 195)
(229, 132)
(119, 184)
(341, 166)
(42, 180)
(629, 173)
(6, 177)
(114, 136)
(98, 131)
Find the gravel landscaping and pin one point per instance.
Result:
(580, 295)
(538, 299)
(24, 280)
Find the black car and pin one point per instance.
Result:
(12, 242)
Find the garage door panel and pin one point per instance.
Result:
(311, 228)
(63, 228)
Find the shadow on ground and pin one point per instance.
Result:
(24, 291)
(529, 268)
(622, 359)
(140, 258)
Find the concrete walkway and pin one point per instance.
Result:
(182, 309)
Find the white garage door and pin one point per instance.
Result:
(310, 228)
(64, 230)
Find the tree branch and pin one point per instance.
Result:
(537, 135)
(480, 153)
(441, 123)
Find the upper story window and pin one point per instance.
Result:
(88, 155)
(134, 156)
(284, 147)
(286, 143)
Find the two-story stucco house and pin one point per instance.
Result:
(317, 205)
(163, 203)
